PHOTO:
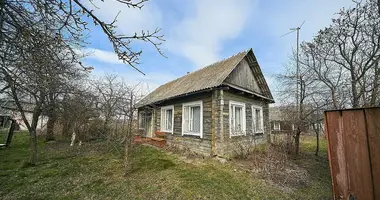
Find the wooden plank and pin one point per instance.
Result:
(373, 133)
(333, 127)
(357, 155)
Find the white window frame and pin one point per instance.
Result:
(255, 107)
(193, 104)
(163, 118)
(244, 119)
(274, 126)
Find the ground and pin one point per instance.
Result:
(95, 171)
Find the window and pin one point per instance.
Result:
(142, 120)
(293, 127)
(237, 118)
(257, 119)
(167, 119)
(276, 126)
(192, 119)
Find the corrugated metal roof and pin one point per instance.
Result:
(207, 77)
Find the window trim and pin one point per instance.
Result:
(141, 117)
(163, 109)
(193, 103)
(244, 120)
(254, 118)
(279, 126)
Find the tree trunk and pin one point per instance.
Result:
(33, 147)
(297, 141)
(66, 128)
(316, 129)
(355, 96)
(50, 127)
(127, 162)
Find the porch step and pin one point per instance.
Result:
(158, 142)
(157, 139)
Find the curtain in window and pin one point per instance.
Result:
(168, 120)
(258, 119)
(238, 118)
(196, 113)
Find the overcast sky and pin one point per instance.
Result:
(200, 32)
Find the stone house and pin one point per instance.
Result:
(206, 111)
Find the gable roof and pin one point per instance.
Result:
(208, 77)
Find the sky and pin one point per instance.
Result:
(200, 32)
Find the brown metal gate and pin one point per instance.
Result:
(353, 138)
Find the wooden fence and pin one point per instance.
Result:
(353, 138)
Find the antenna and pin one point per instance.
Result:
(298, 68)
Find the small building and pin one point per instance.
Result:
(283, 119)
(8, 111)
(209, 110)
(280, 120)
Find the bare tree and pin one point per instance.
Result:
(31, 75)
(27, 31)
(129, 111)
(350, 47)
(313, 96)
(111, 91)
(68, 20)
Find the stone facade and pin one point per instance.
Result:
(216, 138)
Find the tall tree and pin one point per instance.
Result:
(25, 27)
(350, 48)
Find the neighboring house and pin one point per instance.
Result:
(279, 122)
(282, 120)
(206, 111)
(8, 110)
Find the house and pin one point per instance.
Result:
(210, 109)
(283, 119)
(280, 122)
(8, 110)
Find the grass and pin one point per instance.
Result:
(95, 171)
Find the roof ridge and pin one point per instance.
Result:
(209, 76)
(241, 52)
(210, 65)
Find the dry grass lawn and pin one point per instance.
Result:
(95, 171)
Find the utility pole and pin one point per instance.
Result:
(297, 70)
(297, 67)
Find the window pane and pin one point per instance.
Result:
(258, 120)
(196, 113)
(238, 118)
(169, 115)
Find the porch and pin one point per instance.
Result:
(157, 141)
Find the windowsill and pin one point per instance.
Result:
(167, 131)
(260, 134)
(237, 135)
(192, 134)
